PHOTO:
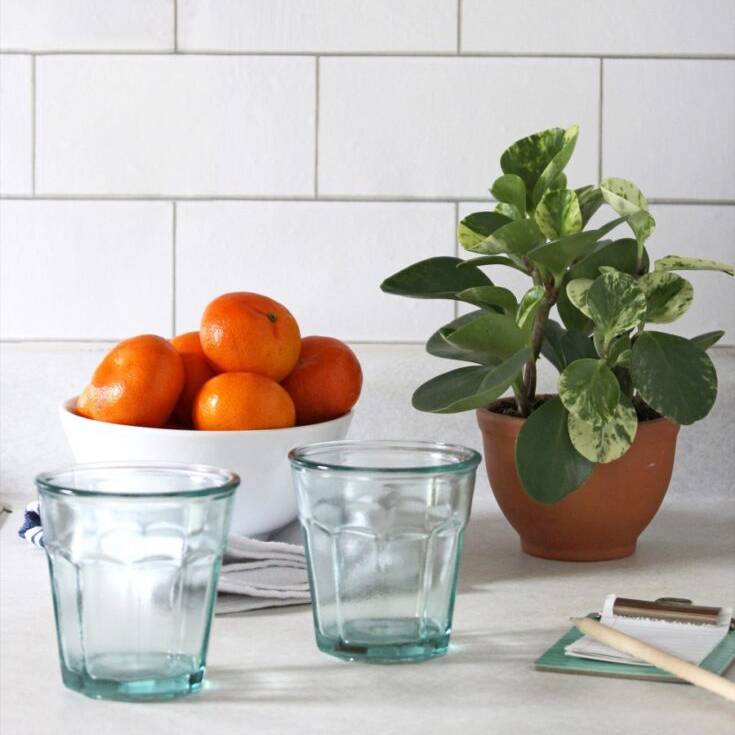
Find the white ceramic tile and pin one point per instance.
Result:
(85, 270)
(669, 126)
(175, 125)
(318, 25)
(16, 154)
(437, 127)
(584, 27)
(86, 25)
(324, 261)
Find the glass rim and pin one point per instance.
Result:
(230, 480)
(467, 459)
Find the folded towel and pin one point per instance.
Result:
(255, 574)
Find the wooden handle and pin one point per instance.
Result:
(656, 657)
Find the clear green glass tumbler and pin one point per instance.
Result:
(383, 526)
(134, 553)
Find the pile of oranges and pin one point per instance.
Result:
(246, 368)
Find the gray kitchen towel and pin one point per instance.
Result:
(258, 574)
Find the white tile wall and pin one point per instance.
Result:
(437, 127)
(318, 25)
(16, 144)
(669, 125)
(85, 270)
(324, 261)
(87, 25)
(646, 27)
(347, 132)
(175, 125)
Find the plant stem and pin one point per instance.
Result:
(528, 392)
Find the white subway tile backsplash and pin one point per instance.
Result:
(85, 270)
(437, 127)
(324, 261)
(669, 125)
(175, 125)
(16, 125)
(584, 27)
(87, 25)
(318, 25)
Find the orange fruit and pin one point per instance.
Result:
(247, 332)
(138, 382)
(326, 381)
(197, 371)
(231, 401)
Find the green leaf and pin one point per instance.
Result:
(577, 293)
(491, 260)
(589, 389)
(605, 441)
(434, 278)
(590, 200)
(510, 188)
(469, 387)
(488, 297)
(515, 237)
(529, 306)
(558, 214)
(628, 201)
(509, 211)
(619, 352)
(438, 345)
(674, 376)
(539, 159)
(616, 303)
(495, 333)
(549, 466)
(683, 263)
(620, 255)
(706, 340)
(558, 255)
(561, 347)
(668, 296)
(474, 228)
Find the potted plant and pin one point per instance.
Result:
(581, 473)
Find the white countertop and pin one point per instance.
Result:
(265, 674)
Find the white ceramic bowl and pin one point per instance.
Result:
(265, 499)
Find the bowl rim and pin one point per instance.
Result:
(66, 410)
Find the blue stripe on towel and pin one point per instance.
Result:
(32, 530)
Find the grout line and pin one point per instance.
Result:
(600, 110)
(456, 249)
(176, 26)
(33, 125)
(459, 26)
(376, 54)
(316, 129)
(357, 199)
(174, 232)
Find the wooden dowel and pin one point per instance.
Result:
(656, 657)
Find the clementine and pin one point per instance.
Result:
(232, 401)
(326, 381)
(138, 382)
(247, 332)
(197, 372)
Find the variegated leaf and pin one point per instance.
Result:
(509, 188)
(628, 201)
(509, 211)
(529, 306)
(551, 176)
(608, 440)
(616, 303)
(577, 293)
(619, 351)
(590, 200)
(589, 389)
(558, 214)
(668, 296)
(683, 263)
(474, 228)
(514, 237)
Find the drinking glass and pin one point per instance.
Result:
(134, 553)
(383, 526)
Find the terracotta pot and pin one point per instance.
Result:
(600, 520)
